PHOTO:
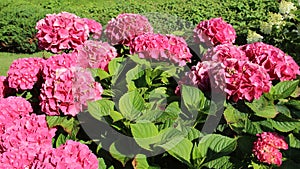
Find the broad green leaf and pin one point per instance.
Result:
(283, 109)
(284, 123)
(232, 115)
(293, 141)
(193, 98)
(116, 152)
(259, 166)
(145, 134)
(101, 164)
(116, 116)
(61, 139)
(140, 162)
(263, 108)
(131, 105)
(140, 61)
(149, 116)
(252, 127)
(102, 74)
(182, 150)
(213, 146)
(69, 124)
(115, 65)
(100, 108)
(283, 89)
(220, 163)
(294, 104)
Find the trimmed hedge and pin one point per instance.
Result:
(17, 33)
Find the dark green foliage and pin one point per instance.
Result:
(18, 18)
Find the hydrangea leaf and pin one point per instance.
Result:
(263, 107)
(283, 89)
(131, 105)
(100, 108)
(140, 161)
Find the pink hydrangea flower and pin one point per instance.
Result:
(94, 27)
(245, 80)
(240, 80)
(214, 32)
(95, 54)
(57, 32)
(125, 27)
(224, 51)
(68, 92)
(278, 65)
(266, 147)
(69, 155)
(23, 140)
(162, 48)
(24, 73)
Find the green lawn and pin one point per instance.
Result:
(7, 58)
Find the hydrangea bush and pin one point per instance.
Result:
(147, 100)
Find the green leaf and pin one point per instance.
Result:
(116, 116)
(220, 163)
(115, 65)
(214, 146)
(193, 98)
(140, 162)
(116, 152)
(70, 125)
(140, 61)
(182, 150)
(293, 141)
(283, 89)
(284, 123)
(145, 134)
(101, 163)
(61, 139)
(263, 108)
(252, 127)
(102, 74)
(100, 108)
(131, 105)
(235, 118)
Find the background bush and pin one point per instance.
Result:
(18, 17)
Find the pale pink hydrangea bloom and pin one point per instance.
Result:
(224, 51)
(95, 54)
(57, 32)
(214, 32)
(68, 156)
(278, 65)
(245, 80)
(125, 27)
(24, 73)
(161, 47)
(95, 28)
(23, 140)
(67, 92)
(266, 147)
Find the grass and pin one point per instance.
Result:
(7, 58)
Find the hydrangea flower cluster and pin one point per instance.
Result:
(245, 80)
(161, 47)
(278, 65)
(69, 155)
(95, 28)
(266, 148)
(222, 52)
(58, 90)
(24, 139)
(214, 32)
(95, 54)
(63, 31)
(24, 73)
(125, 27)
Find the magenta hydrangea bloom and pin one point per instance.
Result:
(125, 27)
(95, 28)
(24, 139)
(68, 92)
(69, 156)
(214, 32)
(57, 32)
(278, 65)
(162, 48)
(245, 80)
(266, 147)
(224, 51)
(95, 54)
(23, 73)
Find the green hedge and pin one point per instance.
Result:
(18, 17)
